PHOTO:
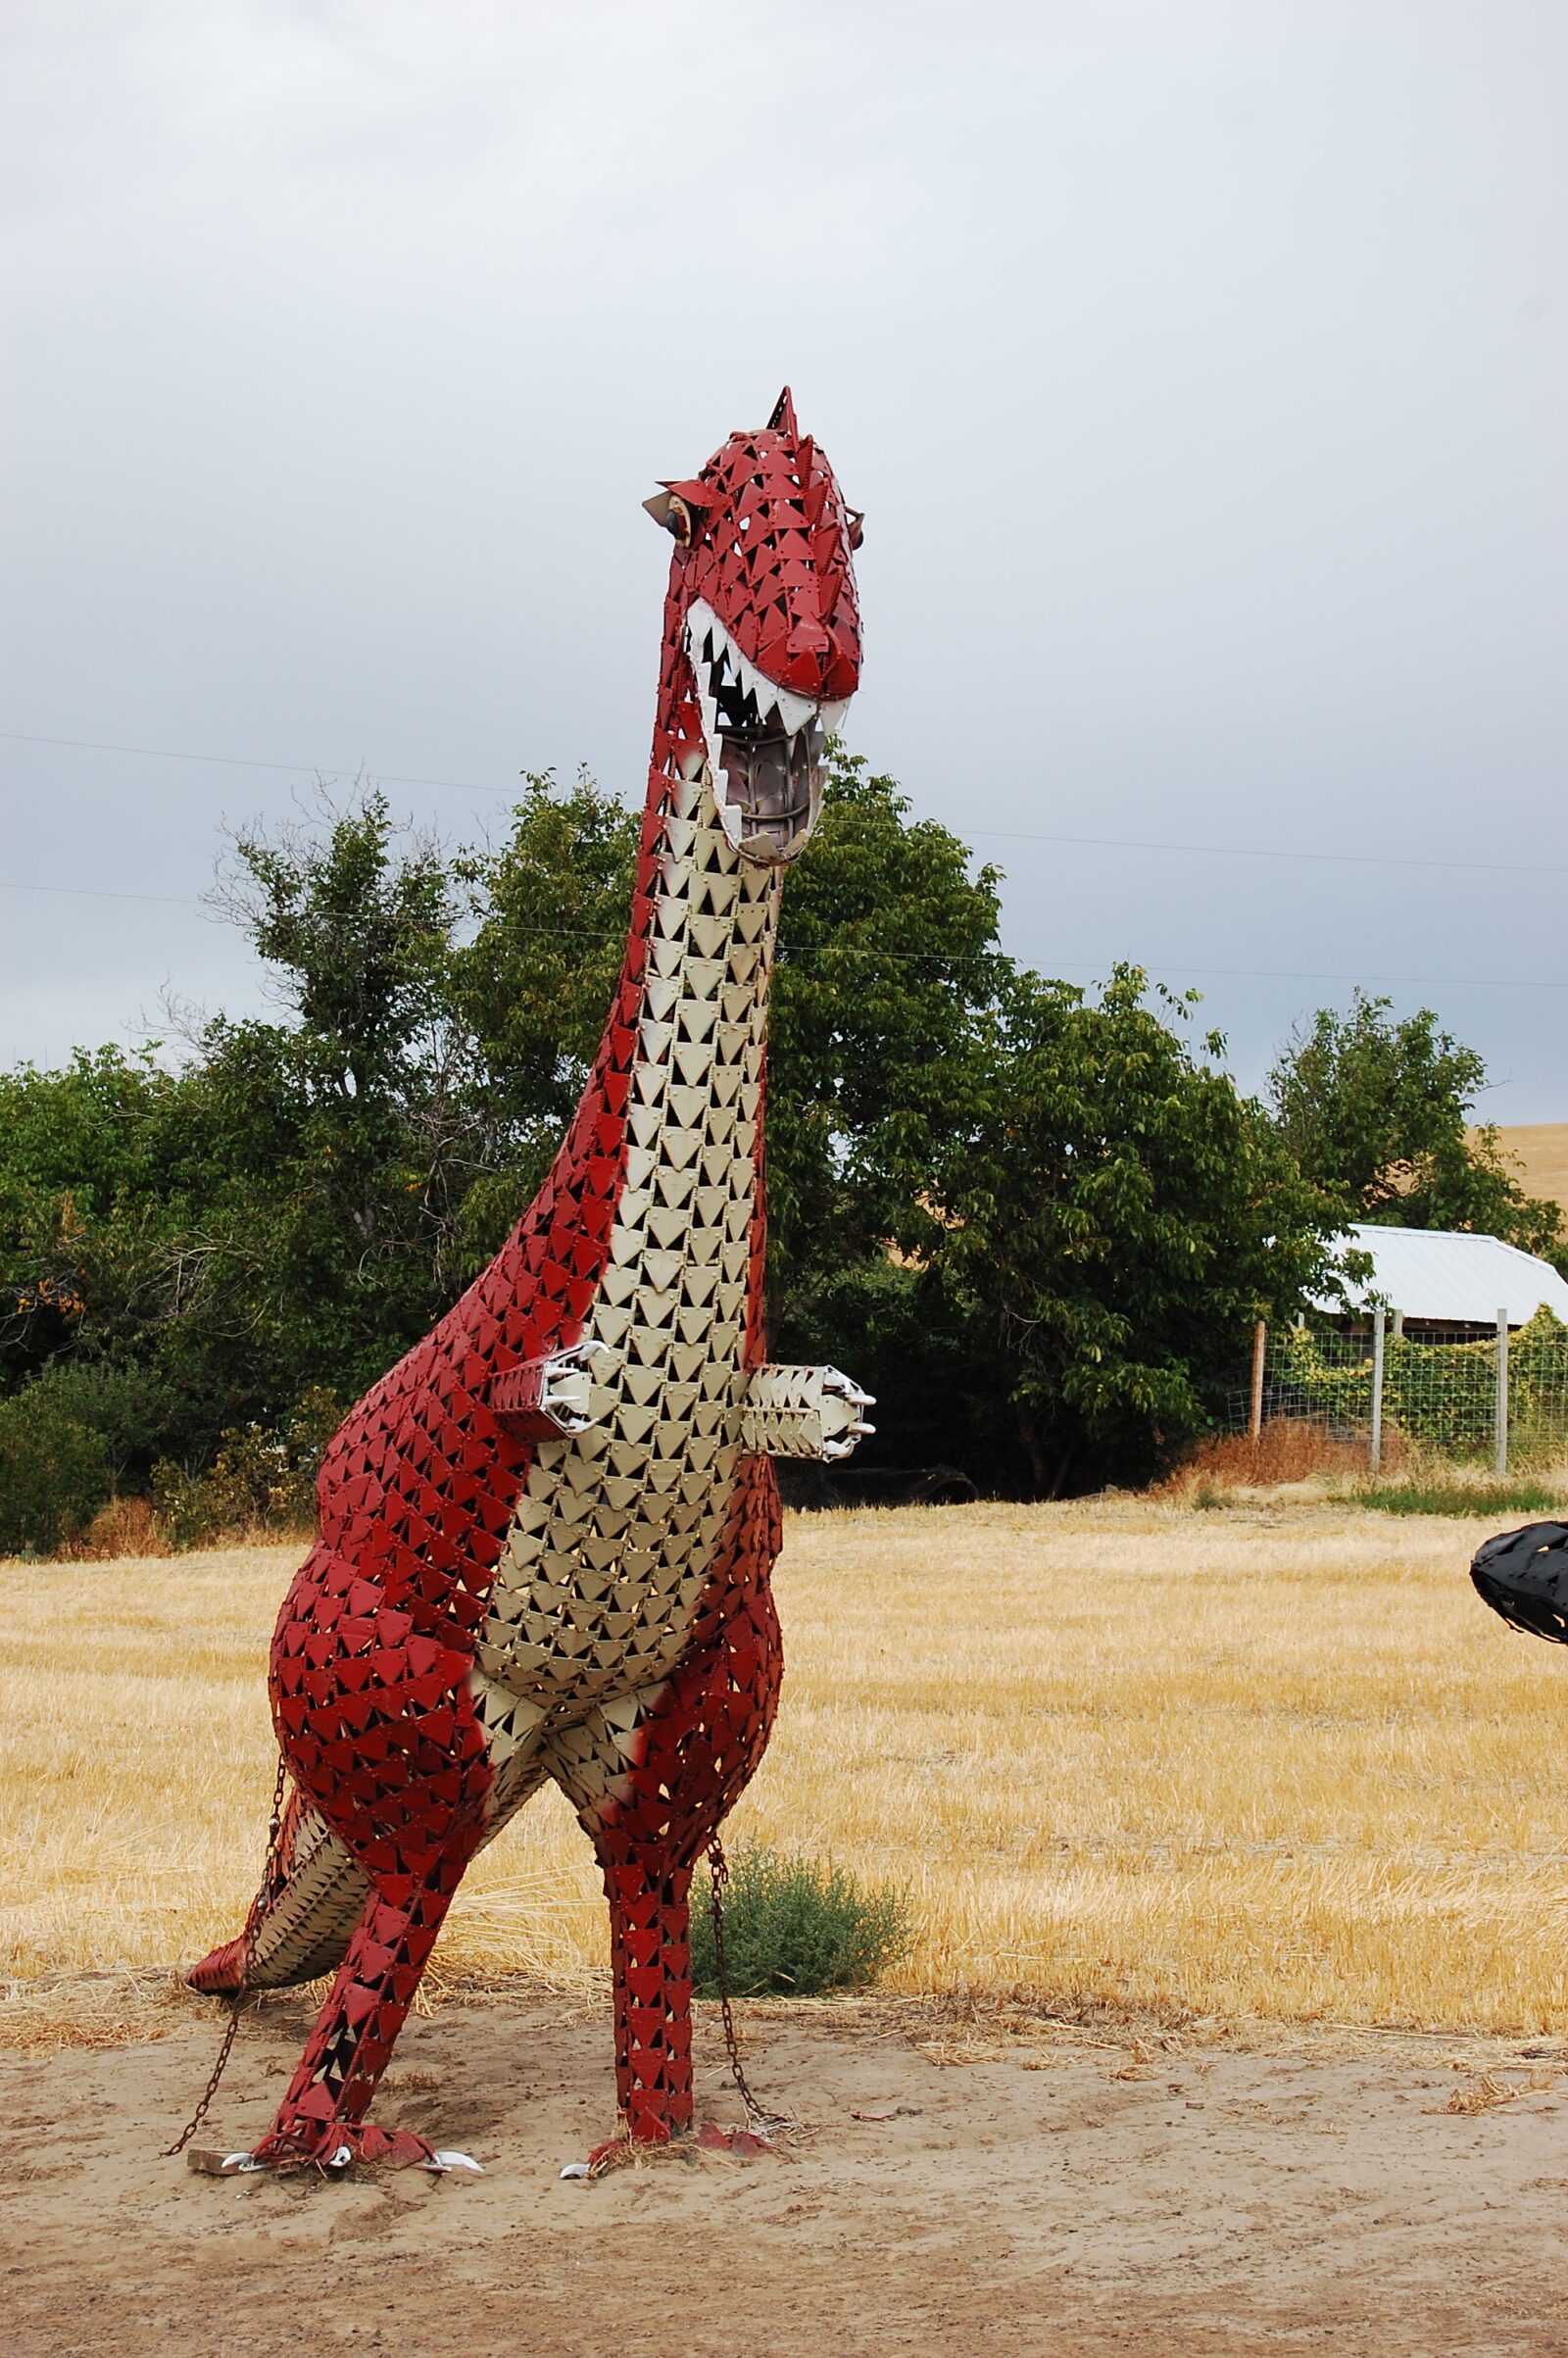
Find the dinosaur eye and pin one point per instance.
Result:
(857, 522)
(668, 509)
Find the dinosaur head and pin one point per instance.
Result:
(763, 633)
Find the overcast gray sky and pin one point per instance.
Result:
(1200, 365)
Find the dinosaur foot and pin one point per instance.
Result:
(220, 1973)
(334, 2146)
(623, 2151)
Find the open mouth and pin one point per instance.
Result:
(764, 742)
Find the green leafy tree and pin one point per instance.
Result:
(1116, 1217)
(287, 1210)
(533, 983)
(90, 1206)
(1376, 1112)
(348, 1135)
(131, 1410)
(888, 967)
(1035, 1226)
(53, 1473)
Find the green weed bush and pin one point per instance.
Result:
(260, 1480)
(1441, 1396)
(796, 1926)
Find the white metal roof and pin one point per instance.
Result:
(1445, 1273)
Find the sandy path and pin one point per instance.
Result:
(1312, 2197)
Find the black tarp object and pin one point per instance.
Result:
(1523, 1575)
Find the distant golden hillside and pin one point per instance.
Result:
(1538, 1152)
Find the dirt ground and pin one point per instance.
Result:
(1031, 2188)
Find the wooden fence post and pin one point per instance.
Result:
(1259, 1351)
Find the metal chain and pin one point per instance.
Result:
(266, 1892)
(272, 1878)
(758, 2116)
(218, 2070)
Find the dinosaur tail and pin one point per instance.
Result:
(313, 1897)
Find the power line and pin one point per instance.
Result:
(98, 891)
(794, 950)
(1233, 851)
(1106, 843)
(1415, 982)
(308, 770)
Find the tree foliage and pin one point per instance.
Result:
(532, 983)
(1036, 1223)
(889, 965)
(1377, 1112)
(52, 1473)
(1116, 1218)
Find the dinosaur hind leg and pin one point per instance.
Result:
(323, 2115)
(316, 1896)
(652, 1778)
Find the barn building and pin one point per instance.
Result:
(1446, 1286)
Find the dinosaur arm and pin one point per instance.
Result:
(785, 1411)
(552, 1398)
(802, 1412)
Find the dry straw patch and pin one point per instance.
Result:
(1282, 1767)
(1289, 1448)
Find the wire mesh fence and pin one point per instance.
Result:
(1499, 1399)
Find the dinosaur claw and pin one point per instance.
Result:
(335, 2144)
(377, 2146)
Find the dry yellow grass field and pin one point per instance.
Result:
(1280, 1763)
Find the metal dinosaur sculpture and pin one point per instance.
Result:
(546, 1536)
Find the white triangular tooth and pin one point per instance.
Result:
(831, 715)
(732, 822)
(793, 710)
(702, 629)
(709, 711)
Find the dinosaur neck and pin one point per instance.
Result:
(701, 952)
(672, 1109)
(640, 1498)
